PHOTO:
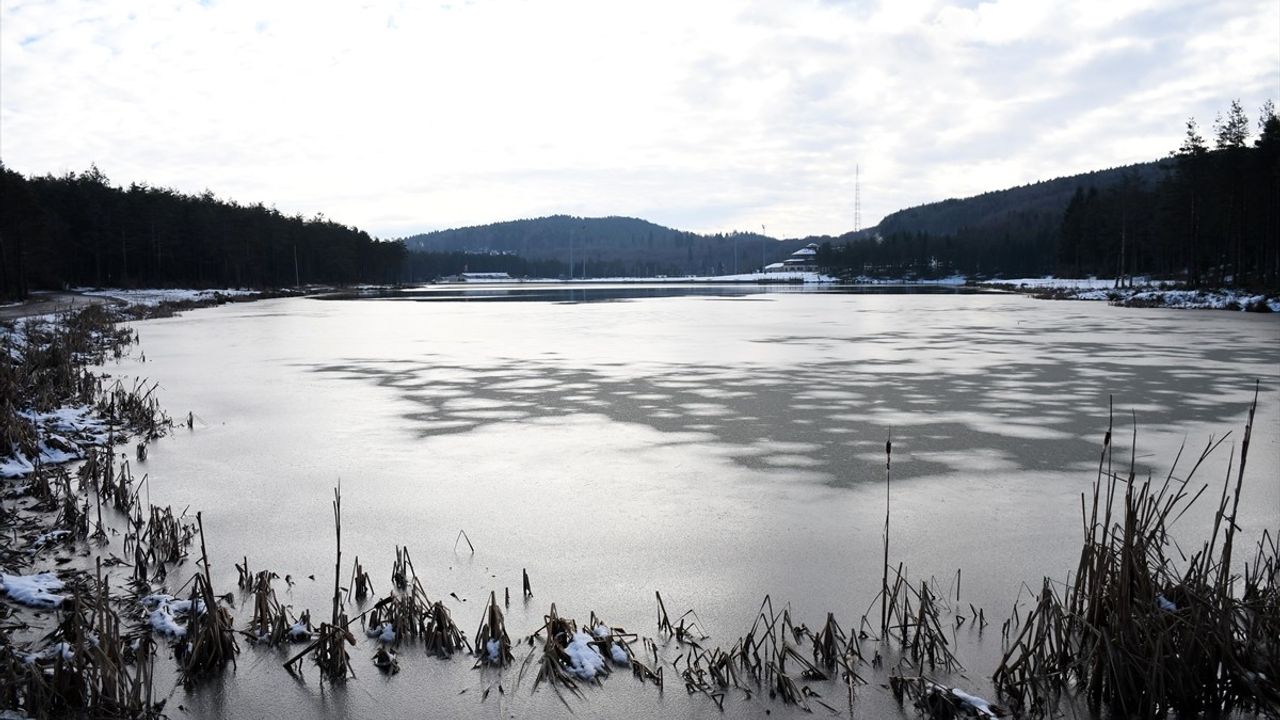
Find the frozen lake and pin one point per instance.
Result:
(715, 447)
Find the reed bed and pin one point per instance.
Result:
(1144, 630)
(210, 641)
(566, 655)
(88, 666)
(271, 622)
(493, 646)
(44, 367)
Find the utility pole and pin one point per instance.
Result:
(763, 235)
(857, 198)
(296, 281)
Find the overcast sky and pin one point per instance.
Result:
(400, 117)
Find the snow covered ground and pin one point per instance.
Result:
(1089, 283)
(153, 297)
(38, 590)
(1145, 293)
(63, 435)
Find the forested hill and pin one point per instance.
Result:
(1209, 214)
(78, 229)
(1024, 206)
(608, 247)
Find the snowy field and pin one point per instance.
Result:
(1144, 293)
(153, 297)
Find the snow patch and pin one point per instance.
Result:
(1144, 292)
(584, 660)
(383, 632)
(168, 614)
(45, 538)
(980, 706)
(62, 649)
(154, 297)
(618, 654)
(64, 434)
(36, 591)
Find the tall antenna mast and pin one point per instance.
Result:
(857, 198)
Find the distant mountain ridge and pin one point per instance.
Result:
(611, 246)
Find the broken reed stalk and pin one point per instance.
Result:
(329, 649)
(337, 561)
(361, 585)
(271, 623)
(402, 571)
(442, 635)
(493, 646)
(210, 642)
(664, 622)
(884, 579)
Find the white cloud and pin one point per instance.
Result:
(398, 117)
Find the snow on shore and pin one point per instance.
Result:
(1056, 283)
(1145, 293)
(63, 435)
(1184, 299)
(154, 297)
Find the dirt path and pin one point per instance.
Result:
(41, 303)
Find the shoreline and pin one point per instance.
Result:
(1144, 294)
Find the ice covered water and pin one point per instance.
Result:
(717, 448)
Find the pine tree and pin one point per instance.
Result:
(1233, 132)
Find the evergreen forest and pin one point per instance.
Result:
(78, 230)
(1209, 214)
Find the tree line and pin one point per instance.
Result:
(79, 230)
(1211, 215)
(422, 266)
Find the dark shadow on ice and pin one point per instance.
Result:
(1031, 405)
